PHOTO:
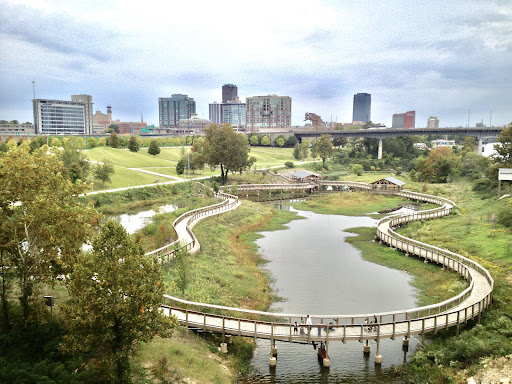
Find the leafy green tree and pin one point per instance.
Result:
(45, 223)
(76, 164)
(3, 147)
(181, 264)
(441, 165)
(324, 147)
(103, 172)
(180, 167)
(226, 148)
(112, 128)
(92, 142)
(113, 140)
(305, 148)
(123, 141)
(55, 143)
(280, 142)
(79, 143)
(154, 149)
(314, 152)
(357, 169)
(133, 144)
(254, 140)
(116, 292)
(291, 141)
(504, 148)
(66, 142)
(102, 141)
(265, 141)
(339, 141)
(297, 152)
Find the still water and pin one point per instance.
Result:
(317, 272)
(132, 222)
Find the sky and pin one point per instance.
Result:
(450, 59)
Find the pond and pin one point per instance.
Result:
(316, 272)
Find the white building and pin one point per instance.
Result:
(60, 117)
(443, 143)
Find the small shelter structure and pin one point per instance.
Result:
(388, 183)
(303, 176)
(503, 174)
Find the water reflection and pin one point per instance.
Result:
(317, 272)
(132, 222)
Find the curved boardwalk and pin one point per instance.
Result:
(468, 305)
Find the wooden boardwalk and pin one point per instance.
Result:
(467, 305)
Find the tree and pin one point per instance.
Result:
(324, 148)
(79, 143)
(305, 148)
(280, 142)
(297, 152)
(357, 169)
(103, 172)
(339, 141)
(116, 292)
(254, 140)
(102, 141)
(44, 222)
(314, 153)
(55, 143)
(291, 141)
(76, 164)
(92, 142)
(226, 148)
(180, 167)
(154, 149)
(133, 144)
(113, 140)
(265, 141)
(441, 165)
(112, 128)
(504, 148)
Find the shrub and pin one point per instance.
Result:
(289, 164)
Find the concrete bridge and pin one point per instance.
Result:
(380, 134)
(229, 321)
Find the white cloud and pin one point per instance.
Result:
(430, 57)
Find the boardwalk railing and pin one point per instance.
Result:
(190, 243)
(279, 326)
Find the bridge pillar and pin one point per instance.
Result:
(378, 357)
(405, 343)
(478, 145)
(366, 348)
(379, 156)
(272, 362)
(326, 362)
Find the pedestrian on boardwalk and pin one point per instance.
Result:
(295, 328)
(302, 325)
(308, 324)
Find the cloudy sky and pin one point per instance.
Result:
(439, 58)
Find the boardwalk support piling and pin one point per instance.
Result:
(224, 347)
(366, 348)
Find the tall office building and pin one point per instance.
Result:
(229, 93)
(361, 111)
(173, 109)
(433, 122)
(215, 113)
(404, 120)
(268, 112)
(61, 117)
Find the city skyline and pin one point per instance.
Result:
(440, 59)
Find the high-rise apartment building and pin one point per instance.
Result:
(215, 113)
(234, 113)
(268, 112)
(433, 122)
(173, 109)
(404, 120)
(362, 107)
(61, 117)
(229, 93)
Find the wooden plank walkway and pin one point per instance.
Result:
(455, 311)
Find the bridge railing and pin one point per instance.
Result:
(411, 317)
(167, 251)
